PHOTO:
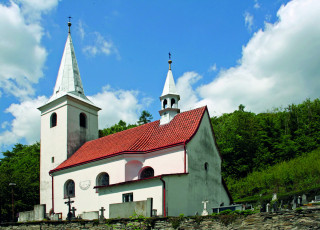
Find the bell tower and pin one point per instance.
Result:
(68, 120)
(169, 98)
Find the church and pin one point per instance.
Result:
(173, 163)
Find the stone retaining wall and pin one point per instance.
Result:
(306, 219)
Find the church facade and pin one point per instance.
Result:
(175, 160)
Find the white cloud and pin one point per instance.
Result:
(101, 46)
(22, 57)
(256, 4)
(81, 29)
(188, 97)
(213, 68)
(117, 105)
(279, 65)
(25, 124)
(33, 9)
(248, 20)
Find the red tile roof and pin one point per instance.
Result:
(142, 139)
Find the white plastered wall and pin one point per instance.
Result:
(167, 161)
(201, 184)
(53, 144)
(55, 141)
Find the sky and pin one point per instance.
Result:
(263, 54)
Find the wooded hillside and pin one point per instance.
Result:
(251, 142)
(256, 151)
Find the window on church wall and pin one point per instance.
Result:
(127, 197)
(53, 120)
(69, 189)
(83, 120)
(206, 166)
(165, 103)
(103, 179)
(173, 103)
(146, 173)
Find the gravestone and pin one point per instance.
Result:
(73, 212)
(275, 206)
(294, 202)
(304, 199)
(299, 201)
(274, 197)
(281, 205)
(204, 212)
(268, 207)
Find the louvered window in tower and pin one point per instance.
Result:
(83, 120)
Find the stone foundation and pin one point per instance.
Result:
(305, 219)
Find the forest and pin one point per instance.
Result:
(275, 151)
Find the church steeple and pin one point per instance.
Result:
(68, 79)
(169, 98)
(68, 120)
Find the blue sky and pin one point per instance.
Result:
(260, 53)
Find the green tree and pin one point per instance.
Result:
(121, 126)
(145, 117)
(19, 166)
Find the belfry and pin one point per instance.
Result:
(169, 98)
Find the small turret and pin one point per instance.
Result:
(169, 98)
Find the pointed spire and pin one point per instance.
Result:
(169, 85)
(68, 79)
(169, 98)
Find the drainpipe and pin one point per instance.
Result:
(52, 189)
(185, 157)
(164, 196)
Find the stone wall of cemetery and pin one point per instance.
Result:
(302, 219)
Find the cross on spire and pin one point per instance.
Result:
(69, 23)
(169, 61)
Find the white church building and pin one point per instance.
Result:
(174, 160)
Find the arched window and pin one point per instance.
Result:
(53, 120)
(69, 190)
(206, 166)
(103, 179)
(83, 120)
(165, 103)
(173, 101)
(146, 173)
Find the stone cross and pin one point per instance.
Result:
(73, 211)
(69, 202)
(102, 209)
(205, 212)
